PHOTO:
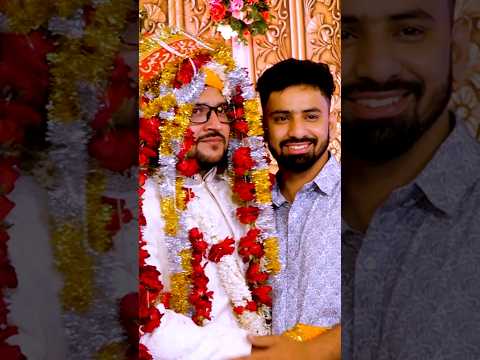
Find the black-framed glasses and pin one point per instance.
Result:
(201, 113)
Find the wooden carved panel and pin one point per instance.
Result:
(466, 97)
(302, 29)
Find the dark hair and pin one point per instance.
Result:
(293, 72)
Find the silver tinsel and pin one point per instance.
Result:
(88, 332)
(68, 152)
(117, 182)
(88, 100)
(239, 77)
(72, 27)
(190, 92)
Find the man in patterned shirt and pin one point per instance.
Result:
(296, 97)
(411, 186)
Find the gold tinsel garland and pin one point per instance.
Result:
(69, 64)
(162, 103)
(270, 246)
(98, 214)
(75, 264)
(112, 351)
(261, 179)
(180, 284)
(170, 215)
(180, 195)
(253, 117)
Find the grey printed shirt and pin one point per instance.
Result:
(308, 289)
(411, 282)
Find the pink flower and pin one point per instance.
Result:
(236, 5)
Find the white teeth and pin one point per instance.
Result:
(376, 103)
(297, 147)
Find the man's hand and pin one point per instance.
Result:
(326, 346)
(276, 347)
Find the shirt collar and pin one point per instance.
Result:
(452, 170)
(326, 181)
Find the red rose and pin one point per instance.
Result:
(115, 150)
(10, 132)
(239, 310)
(217, 251)
(150, 278)
(255, 275)
(149, 131)
(188, 167)
(143, 353)
(5, 207)
(184, 74)
(217, 11)
(248, 245)
(4, 237)
(145, 155)
(265, 15)
(142, 255)
(201, 59)
(8, 277)
(244, 190)
(198, 244)
(238, 98)
(141, 220)
(251, 305)
(128, 314)
(262, 294)
(200, 282)
(12, 352)
(240, 127)
(142, 177)
(165, 299)
(8, 176)
(248, 214)
(152, 321)
(189, 195)
(242, 161)
(188, 142)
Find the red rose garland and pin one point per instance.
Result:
(244, 190)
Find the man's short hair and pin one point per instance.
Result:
(292, 72)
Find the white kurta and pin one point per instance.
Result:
(34, 305)
(178, 337)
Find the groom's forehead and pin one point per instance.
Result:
(373, 11)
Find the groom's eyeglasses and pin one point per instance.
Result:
(201, 113)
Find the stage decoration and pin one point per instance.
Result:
(174, 70)
(240, 18)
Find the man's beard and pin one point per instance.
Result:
(205, 162)
(381, 140)
(302, 162)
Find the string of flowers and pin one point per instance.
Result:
(20, 109)
(240, 18)
(166, 103)
(86, 43)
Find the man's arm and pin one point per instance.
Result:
(178, 337)
(326, 346)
